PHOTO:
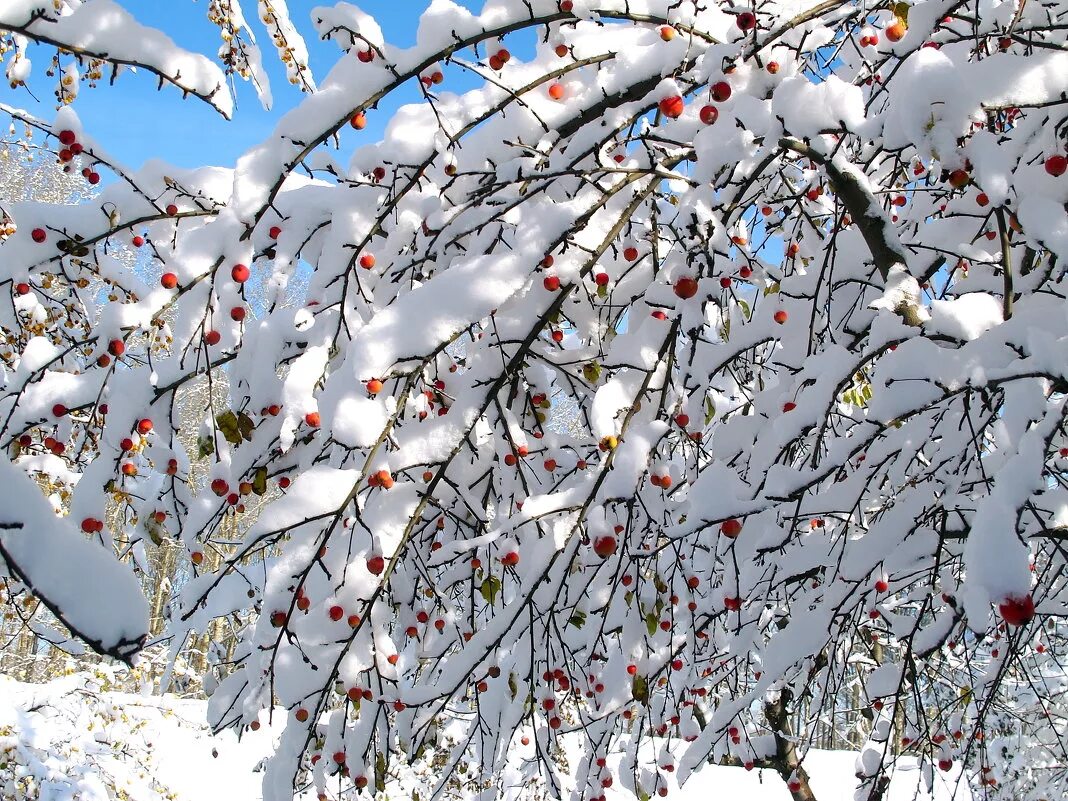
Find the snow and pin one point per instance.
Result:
(98, 598)
(965, 318)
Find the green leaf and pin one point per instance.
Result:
(380, 772)
(710, 410)
(602, 291)
(639, 690)
(771, 289)
(205, 446)
(227, 423)
(259, 481)
(650, 623)
(578, 619)
(744, 306)
(901, 11)
(489, 589)
(512, 687)
(592, 372)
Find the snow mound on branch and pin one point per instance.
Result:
(807, 108)
(966, 317)
(79, 580)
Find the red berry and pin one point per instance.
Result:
(709, 114)
(1016, 611)
(721, 90)
(336, 612)
(725, 282)
(172, 209)
(686, 287)
(376, 564)
(212, 337)
(67, 138)
(39, 235)
(238, 313)
(116, 347)
(367, 261)
(780, 316)
(168, 281)
(604, 546)
(551, 283)
(312, 419)
(601, 279)
(731, 528)
(59, 410)
(1056, 165)
(630, 253)
(672, 106)
(22, 288)
(746, 20)
(240, 273)
(144, 426)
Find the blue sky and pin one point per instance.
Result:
(136, 122)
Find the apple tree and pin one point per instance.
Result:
(674, 382)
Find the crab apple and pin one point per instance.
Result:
(672, 106)
(1017, 610)
(116, 347)
(22, 288)
(604, 546)
(237, 313)
(945, 764)
(129, 469)
(336, 612)
(366, 56)
(367, 261)
(721, 91)
(376, 564)
(212, 337)
(793, 786)
(556, 91)
(725, 282)
(772, 67)
(312, 419)
(709, 114)
(896, 31)
(630, 253)
(38, 235)
(732, 603)
(601, 279)
(144, 425)
(373, 387)
(789, 406)
(881, 585)
(686, 287)
(780, 316)
(240, 273)
(959, 178)
(566, 6)
(1056, 165)
(220, 487)
(682, 419)
(67, 137)
(746, 21)
(126, 444)
(511, 558)
(172, 209)
(551, 283)
(168, 280)
(59, 410)
(731, 528)
(667, 33)
(93, 177)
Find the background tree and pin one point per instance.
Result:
(795, 272)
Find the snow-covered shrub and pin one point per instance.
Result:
(796, 271)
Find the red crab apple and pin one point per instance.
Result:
(709, 114)
(212, 337)
(551, 283)
(1017, 610)
(604, 546)
(686, 287)
(39, 235)
(731, 528)
(240, 273)
(220, 487)
(144, 426)
(367, 261)
(376, 564)
(168, 281)
(721, 90)
(312, 419)
(746, 21)
(896, 31)
(780, 316)
(336, 612)
(667, 33)
(556, 91)
(672, 106)
(1057, 165)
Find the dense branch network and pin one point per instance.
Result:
(689, 387)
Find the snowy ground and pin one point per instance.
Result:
(66, 742)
